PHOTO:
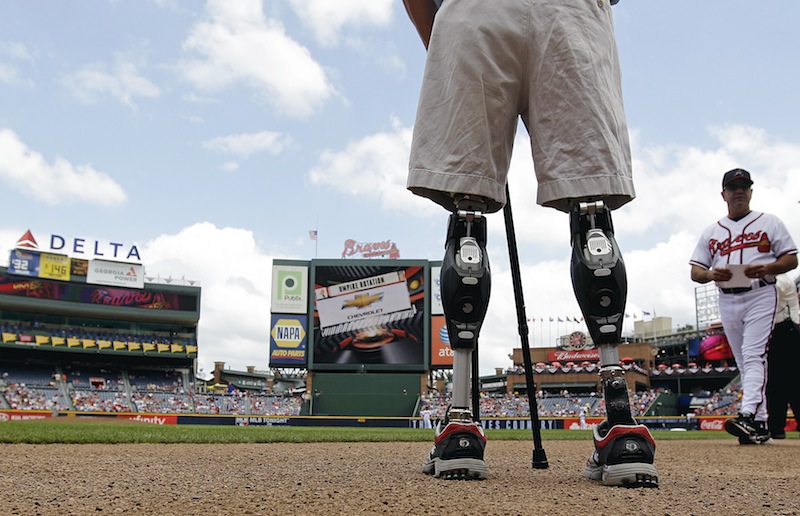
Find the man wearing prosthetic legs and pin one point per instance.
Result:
(465, 283)
(554, 65)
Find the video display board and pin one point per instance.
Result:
(149, 298)
(369, 314)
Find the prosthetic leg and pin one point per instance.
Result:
(465, 284)
(624, 451)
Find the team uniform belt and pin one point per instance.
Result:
(740, 290)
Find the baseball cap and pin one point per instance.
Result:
(736, 174)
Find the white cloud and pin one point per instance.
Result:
(61, 182)
(8, 238)
(235, 277)
(14, 51)
(327, 19)
(678, 188)
(230, 166)
(245, 144)
(8, 74)
(238, 44)
(374, 167)
(123, 82)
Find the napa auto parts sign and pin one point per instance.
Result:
(83, 247)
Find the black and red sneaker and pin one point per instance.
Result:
(623, 456)
(457, 453)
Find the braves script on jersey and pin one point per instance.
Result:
(756, 238)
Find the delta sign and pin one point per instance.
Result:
(84, 248)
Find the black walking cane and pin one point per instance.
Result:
(539, 460)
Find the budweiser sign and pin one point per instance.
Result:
(565, 356)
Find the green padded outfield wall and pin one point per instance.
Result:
(362, 394)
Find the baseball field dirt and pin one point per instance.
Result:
(697, 477)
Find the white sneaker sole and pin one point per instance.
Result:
(458, 469)
(636, 474)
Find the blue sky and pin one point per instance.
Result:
(214, 135)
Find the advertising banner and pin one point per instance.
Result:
(79, 267)
(61, 291)
(24, 263)
(54, 266)
(115, 274)
(366, 313)
(289, 289)
(24, 415)
(363, 307)
(287, 340)
(436, 291)
(441, 352)
(592, 355)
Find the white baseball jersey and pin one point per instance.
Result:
(747, 316)
(755, 238)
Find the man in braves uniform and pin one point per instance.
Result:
(758, 244)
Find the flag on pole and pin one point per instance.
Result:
(312, 234)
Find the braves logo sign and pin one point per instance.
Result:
(385, 249)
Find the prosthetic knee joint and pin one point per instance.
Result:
(601, 287)
(465, 285)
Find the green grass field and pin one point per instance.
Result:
(105, 432)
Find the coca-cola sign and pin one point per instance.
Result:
(567, 356)
(716, 423)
